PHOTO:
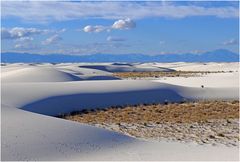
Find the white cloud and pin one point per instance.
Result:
(117, 25)
(24, 43)
(46, 11)
(115, 39)
(18, 32)
(96, 29)
(24, 34)
(20, 46)
(231, 42)
(51, 40)
(124, 24)
(24, 39)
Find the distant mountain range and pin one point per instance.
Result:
(220, 55)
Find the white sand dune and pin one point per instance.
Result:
(213, 80)
(31, 96)
(53, 98)
(200, 66)
(50, 74)
(29, 136)
(125, 68)
(37, 74)
(87, 73)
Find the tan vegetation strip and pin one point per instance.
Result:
(203, 122)
(160, 113)
(163, 74)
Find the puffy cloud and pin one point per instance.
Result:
(115, 39)
(21, 46)
(18, 32)
(96, 29)
(124, 24)
(231, 42)
(51, 40)
(29, 47)
(24, 43)
(117, 25)
(25, 39)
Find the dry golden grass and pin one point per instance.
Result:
(200, 111)
(162, 74)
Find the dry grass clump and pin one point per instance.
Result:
(201, 111)
(162, 74)
(203, 122)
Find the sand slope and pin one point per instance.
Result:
(27, 134)
(53, 98)
(37, 74)
(125, 68)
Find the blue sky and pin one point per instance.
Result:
(150, 28)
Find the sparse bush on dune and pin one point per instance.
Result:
(157, 74)
(204, 122)
(183, 112)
